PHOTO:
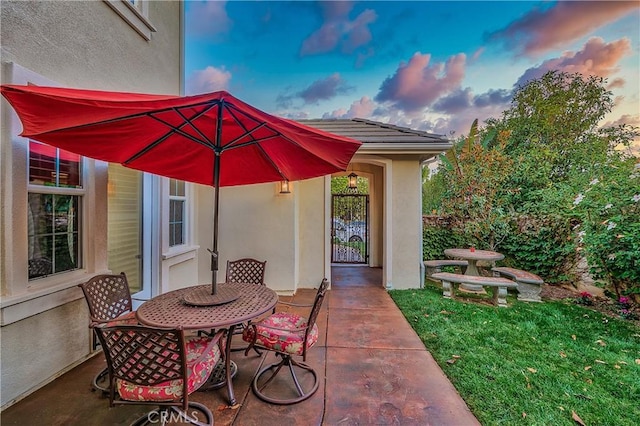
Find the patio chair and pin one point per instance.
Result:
(109, 301)
(288, 335)
(245, 270)
(158, 366)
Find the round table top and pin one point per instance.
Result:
(169, 309)
(474, 255)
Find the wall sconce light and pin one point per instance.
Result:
(353, 181)
(285, 187)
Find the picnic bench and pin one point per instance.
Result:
(498, 285)
(437, 264)
(529, 285)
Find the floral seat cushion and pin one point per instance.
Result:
(275, 333)
(198, 370)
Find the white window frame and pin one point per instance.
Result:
(185, 218)
(135, 14)
(22, 298)
(61, 190)
(169, 252)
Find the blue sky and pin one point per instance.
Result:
(428, 65)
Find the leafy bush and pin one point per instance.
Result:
(609, 208)
(438, 237)
(542, 245)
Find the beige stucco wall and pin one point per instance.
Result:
(312, 236)
(254, 221)
(85, 45)
(406, 223)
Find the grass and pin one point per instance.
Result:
(531, 363)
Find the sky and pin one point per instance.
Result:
(427, 65)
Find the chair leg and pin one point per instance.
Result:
(290, 363)
(101, 382)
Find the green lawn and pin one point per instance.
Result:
(531, 363)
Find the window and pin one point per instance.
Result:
(136, 14)
(54, 210)
(177, 213)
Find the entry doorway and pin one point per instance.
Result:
(350, 228)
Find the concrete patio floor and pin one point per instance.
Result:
(374, 370)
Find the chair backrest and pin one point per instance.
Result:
(108, 296)
(144, 356)
(315, 310)
(245, 270)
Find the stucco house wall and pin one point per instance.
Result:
(76, 44)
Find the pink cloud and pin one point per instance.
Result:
(596, 58)
(362, 108)
(207, 80)
(418, 84)
(338, 31)
(208, 18)
(542, 30)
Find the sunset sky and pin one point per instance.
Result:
(428, 65)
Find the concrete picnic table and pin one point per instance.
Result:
(473, 256)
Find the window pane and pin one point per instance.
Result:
(176, 187)
(176, 222)
(69, 170)
(53, 234)
(42, 164)
(51, 166)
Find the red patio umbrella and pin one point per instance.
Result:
(212, 139)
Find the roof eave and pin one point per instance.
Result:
(404, 148)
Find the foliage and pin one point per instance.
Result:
(529, 166)
(433, 190)
(609, 209)
(340, 185)
(475, 176)
(543, 245)
(435, 239)
(562, 359)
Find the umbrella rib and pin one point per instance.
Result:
(232, 111)
(231, 107)
(173, 130)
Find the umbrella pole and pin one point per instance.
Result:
(216, 199)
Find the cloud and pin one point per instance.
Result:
(338, 31)
(596, 58)
(416, 84)
(207, 18)
(362, 108)
(319, 90)
(542, 30)
(209, 79)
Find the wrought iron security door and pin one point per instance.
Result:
(350, 228)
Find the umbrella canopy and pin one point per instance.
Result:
(213, 139)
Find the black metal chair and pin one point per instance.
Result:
(159, 366)
(109, 300)
(245, 270)
(288, 335)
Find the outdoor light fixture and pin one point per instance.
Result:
(353, 181)
(284, 187)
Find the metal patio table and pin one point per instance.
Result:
(170, 310)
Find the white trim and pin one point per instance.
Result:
(328, 243)
(24, 298)
(137, 18)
